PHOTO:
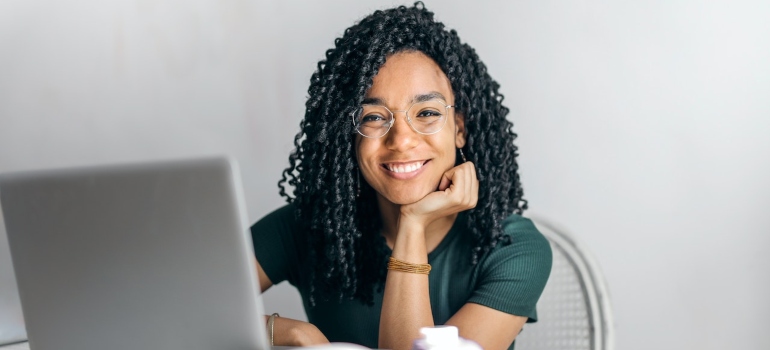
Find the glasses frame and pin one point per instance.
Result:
(408, 119)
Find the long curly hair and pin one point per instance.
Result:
(347, 252)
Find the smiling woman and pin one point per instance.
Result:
(404, 161)
(406, 207)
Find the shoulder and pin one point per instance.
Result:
(528, 252)
(281, 219)
(512, 275)
(523, 232)
(279, 229)
(278, 243)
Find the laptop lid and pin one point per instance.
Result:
(144, 256)
(11, 319)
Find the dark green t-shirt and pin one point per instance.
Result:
(508, 278)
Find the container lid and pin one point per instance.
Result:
(441, 336)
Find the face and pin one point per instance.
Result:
(404, 166)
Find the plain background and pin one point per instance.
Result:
(643, 125)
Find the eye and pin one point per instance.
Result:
(428, 113)
(372, 118)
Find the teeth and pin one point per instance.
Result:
(404, 168)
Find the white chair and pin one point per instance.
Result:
(574, 311)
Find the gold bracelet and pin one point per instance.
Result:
(270, 322)
(403, 266)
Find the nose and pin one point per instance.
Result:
(401, 136)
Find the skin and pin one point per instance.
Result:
(417, 212)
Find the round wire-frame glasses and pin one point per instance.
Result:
(426, 118)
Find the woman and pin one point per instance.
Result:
(406, 201)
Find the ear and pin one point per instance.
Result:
(459, 130)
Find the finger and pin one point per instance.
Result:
(460, 179)
(447, 179)
(475, 193)
(470, 181)
(459, 184)
(471, 186)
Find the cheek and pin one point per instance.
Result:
(448, 150)
(363, 150)
(365, 155)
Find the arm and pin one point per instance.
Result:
(406, 303)
(275, 233)
(491, 328)
(264, 281)
(406, 300)
(286, 331)
(512, 279)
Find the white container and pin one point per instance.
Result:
(443, 338)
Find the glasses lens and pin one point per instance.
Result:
(428, 117)
(373, 120)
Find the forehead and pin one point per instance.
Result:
(406, 75)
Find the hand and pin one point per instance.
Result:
(458, 190)
(289, 332)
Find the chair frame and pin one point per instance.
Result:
(594, 285)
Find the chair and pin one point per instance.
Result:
(574, 311)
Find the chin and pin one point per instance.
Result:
(405, 200)
(407, 197)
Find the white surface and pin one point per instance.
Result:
(643, 125)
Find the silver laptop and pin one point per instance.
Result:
(148, 256)
(11, 318)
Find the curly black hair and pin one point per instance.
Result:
(347, 252)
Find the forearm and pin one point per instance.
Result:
(406, 300)
(289, 332)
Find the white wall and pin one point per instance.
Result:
(643, 125)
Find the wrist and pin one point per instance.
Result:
(271, 327)
(308, 334)
(298, 336)
(410, 236)
(411, 225)
(410, 242)
(290, 332)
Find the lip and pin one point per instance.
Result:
(404, 176)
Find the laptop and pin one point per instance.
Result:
(140, 256)
(11, 317)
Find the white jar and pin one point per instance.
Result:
(443, 338)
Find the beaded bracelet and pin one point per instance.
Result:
(270, 322)
(403, 266)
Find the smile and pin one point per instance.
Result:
(404, 170)
(404, 167)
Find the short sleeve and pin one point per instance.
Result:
(275, 244)
(512, 277)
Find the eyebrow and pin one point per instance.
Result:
(417, 98)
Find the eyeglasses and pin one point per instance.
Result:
(425, 117)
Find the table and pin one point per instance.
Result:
(25, 346)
